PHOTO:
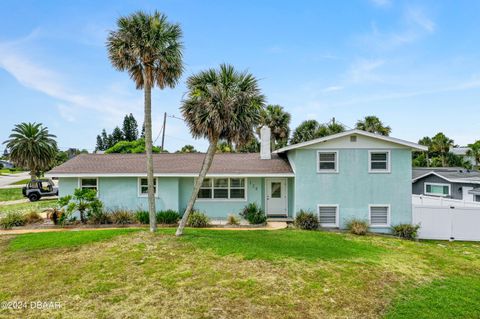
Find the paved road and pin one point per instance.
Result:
(6, 180)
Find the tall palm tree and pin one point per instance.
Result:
(149, 48)
(221, 104)
(474, 151)
(306, 131)
(373, 124)
(441, 145)
(32, 146)
(278, 121)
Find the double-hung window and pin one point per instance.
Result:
(143, 187)
(379, 215)
(222, 189)
(379, 161)
(437, 189)
(327, 161)
(88, 183)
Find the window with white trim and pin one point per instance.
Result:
(437, 189)
(379, 215)
(328, 216)
(143, 186)
(379, 161)
(88, 183)
(223, 188)
(327, 161)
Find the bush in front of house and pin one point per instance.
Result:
(198, 219)
(406, 231)
(254, 214)
(12, 219)
(357, 226)
(233, 220)
(32, 217)
(168, 217)
(122, 217)
(142, 216)
(306, 220)
(98, 217)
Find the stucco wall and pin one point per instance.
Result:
(353, 188)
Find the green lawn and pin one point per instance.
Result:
(22, 182)
(229, 274)
(40, 205)
(7, 171)
(10, 194)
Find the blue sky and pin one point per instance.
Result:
(416, 65)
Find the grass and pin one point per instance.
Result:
(7, 194)
(22, 182)
(8, 171)
(218, 273)
(40, 205)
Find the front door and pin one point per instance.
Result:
(276, 196)
(466, 195)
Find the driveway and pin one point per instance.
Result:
(6, 180)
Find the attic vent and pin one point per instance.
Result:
(353, 138)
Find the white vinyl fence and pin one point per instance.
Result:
(447, 219)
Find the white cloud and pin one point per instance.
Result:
(363, 71)
(332, 88)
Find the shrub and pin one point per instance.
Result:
(254, 214)
(198, 219)
(233, 220)
(306, 220)
(33, 217)
(122, 217)
(99, 216)
(168, 217)
(56, 215)
(406, 231)
(142, 216)
(357, 227)
(12, 219)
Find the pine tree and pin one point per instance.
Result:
(105, 140)
(142, 135)
(117, 136)
(130, 128)
(100, 146)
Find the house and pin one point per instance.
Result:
(354, 174)
(7, 164)
(448, 182)
(462, 151)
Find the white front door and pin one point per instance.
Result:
(466, 196)
(276, 196)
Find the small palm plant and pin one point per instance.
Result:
(224, 105)
(32, 147)
(149, 48)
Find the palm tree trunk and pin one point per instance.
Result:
(33, 175)
(148, 148)
(207, 162)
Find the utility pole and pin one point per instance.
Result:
(333, 120)
(163, 131)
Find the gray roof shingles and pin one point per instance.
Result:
(172, 163)
(451, 173)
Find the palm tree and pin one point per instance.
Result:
(32, 147)
(373, 124)
(278, 121)
(221, 104)
(306, 131)
(474, 151)
(441, 145)
(149, 48)
(187, 149)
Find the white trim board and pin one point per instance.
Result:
(413, 146)
(86, 175)
(379, 171)
(463, 181)
(389, 214)
(139, 194)
(437, 184)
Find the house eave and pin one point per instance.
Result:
(77, 175)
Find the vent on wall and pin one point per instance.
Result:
(353, 138)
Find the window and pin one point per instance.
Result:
(88, 183)
(476, 198)
(327, 161)
(222, 188)
(379, 215)
(436, 189)
(379, 161)
(143, 187)
(328, 215)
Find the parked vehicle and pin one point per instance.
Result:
(38, 188)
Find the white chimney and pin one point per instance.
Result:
(265, 143)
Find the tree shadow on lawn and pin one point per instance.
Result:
(280, 244)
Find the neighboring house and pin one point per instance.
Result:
(354, 174)
(462, 151)
(7, 164)
(448, 182)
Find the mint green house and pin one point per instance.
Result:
(354, 174)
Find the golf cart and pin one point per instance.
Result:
(38, 188)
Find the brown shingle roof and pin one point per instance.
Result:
(175, 163)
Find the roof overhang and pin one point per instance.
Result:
(475, 191)
(451, 180)
(77, 175)
(413, 146)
